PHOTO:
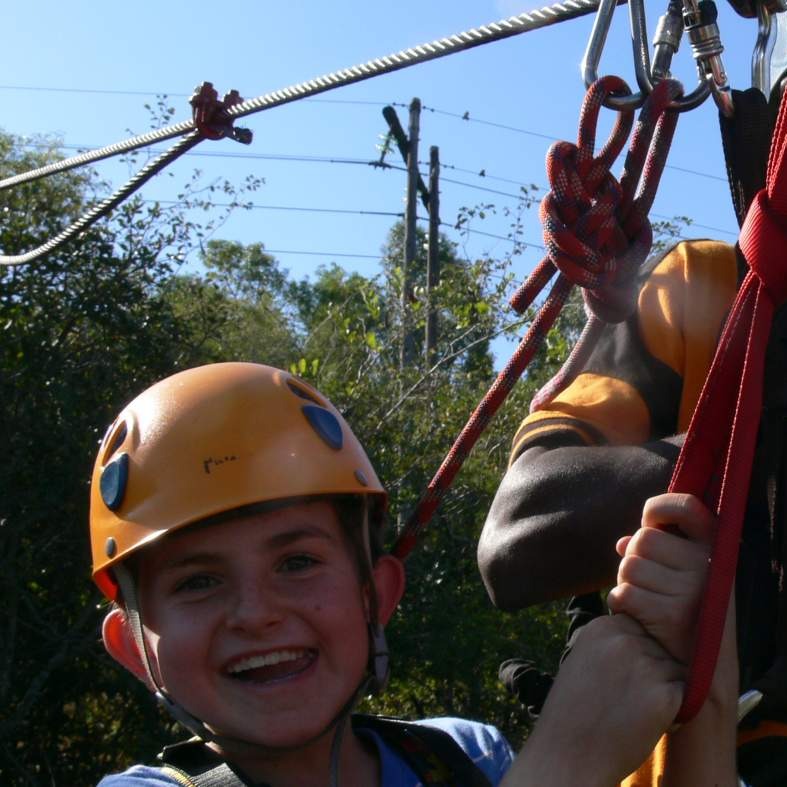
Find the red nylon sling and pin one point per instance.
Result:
(714, 463)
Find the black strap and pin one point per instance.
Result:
(437, 759)
(763, 762)
(196, 765)
(746, 138)
(432, 753)
(763, 561)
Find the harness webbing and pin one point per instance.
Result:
(433, 754)
(596, 232)
(746, 138)
(714, 463)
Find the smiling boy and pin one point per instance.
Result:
(236, 521)
(236, 525)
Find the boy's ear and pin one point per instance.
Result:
(389, 581)
(120, 644)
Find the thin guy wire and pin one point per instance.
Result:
(495, 31)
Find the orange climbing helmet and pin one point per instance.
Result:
(213, 439)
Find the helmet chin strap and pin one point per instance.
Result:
(379, 657)
(178, 712)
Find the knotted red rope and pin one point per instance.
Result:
(596, 232)
(715, 463)
(623, 238)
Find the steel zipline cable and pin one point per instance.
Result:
(495, 31)
(105, 206)
(533, 20)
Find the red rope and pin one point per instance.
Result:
(595, 230)
(715, 463)
(611, 297)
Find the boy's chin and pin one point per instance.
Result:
(271, 742)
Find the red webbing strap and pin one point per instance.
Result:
(715, 463)
(590, 223)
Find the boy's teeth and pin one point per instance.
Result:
(267, 660)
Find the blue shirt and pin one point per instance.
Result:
(484, 744)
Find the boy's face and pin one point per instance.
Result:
(258, 625)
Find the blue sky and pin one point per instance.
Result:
(519, 93)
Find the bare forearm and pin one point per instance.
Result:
(554, 522)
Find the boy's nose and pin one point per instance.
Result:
(254, 608)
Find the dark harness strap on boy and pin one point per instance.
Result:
(432, 753)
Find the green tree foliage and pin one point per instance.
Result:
(83, 331)
(233, 311)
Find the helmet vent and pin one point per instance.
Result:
(115, 440)
(325, 423)
(113, 482)
(302, 392)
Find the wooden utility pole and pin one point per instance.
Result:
(433, 258)
(410, 234)
(403, 144)
(430, 198)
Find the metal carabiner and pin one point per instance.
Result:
(666, 40)
(595, 46)
(706, 46)
(766, 69)
(699, 19)
(763, 51)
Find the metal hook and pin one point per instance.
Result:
(699, 19)
(767, 69)
(666, 40)
(763, 51)
(592, 56)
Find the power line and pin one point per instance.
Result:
(317, 160)
(348, 211)
(365, 162)
(307, 159)
(466, 116)
(167, 94)
(518, 130)
(296, 208)
(230, 154)
(324, 254)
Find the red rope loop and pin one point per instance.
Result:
(596, 230)
(609, 276)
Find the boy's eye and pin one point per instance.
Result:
(298, 563)
(196, 582)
